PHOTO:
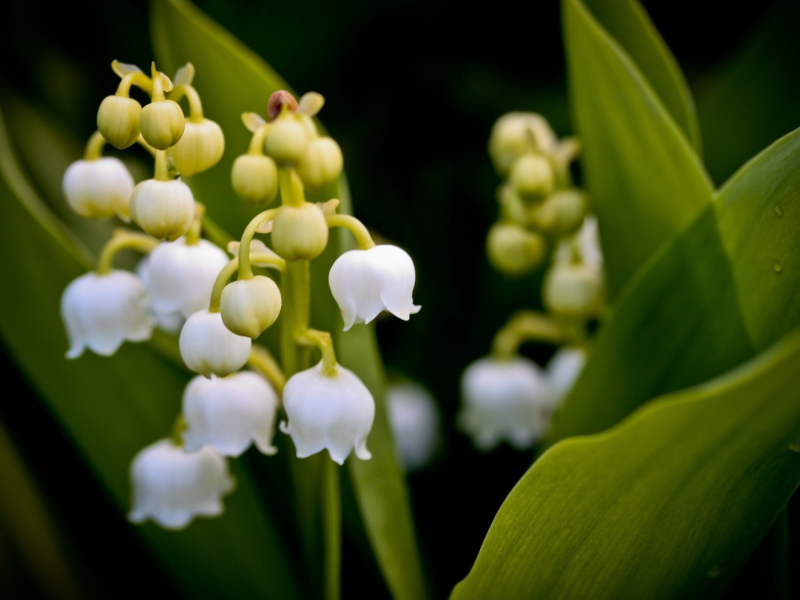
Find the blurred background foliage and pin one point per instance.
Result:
(412, 91)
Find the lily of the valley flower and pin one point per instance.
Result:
(170, 321)
(504, 399)
(229, 413)
(180, 275)
(333, 412)
(171, 486)
(102, 311)
(365, 282)
(99, 189)
(415, 423)
(208, 347)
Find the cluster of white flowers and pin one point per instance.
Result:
(182, 286)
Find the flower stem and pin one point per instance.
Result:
(123, 240)
(295, 314)
(257, 141)
(363, 238)
(332, 524)
(323, 341)
(527, 326)
(94, 147)
(262, 361)
(162, 166)
(193, 235)
(292, 193)
(195, 105)
(140, 80)
(245, 270)
(220, 283)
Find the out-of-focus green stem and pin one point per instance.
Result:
(332, 524)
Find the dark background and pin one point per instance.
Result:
(412, 90)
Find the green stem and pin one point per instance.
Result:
(123, 240)
(140, 80)
(245, 270)
(162, 166)
(220, 283)
(195, 105)
(295, 314)
(94, 147)
(527, 326)
(262, 361)
(257, 141)
(193, 235)
(323, 341)
(157, 93)
(332, 525)
(177, 430)
(363, 238)
(292, 193)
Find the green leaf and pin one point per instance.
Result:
(645, 179)
(113, 407)
(726, 287)
(629, 24)
(669, 504)
(231, 79)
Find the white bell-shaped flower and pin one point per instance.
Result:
(563, 370)
(414, 419)
(180, 275)
(99, 189)
(102, 311)
(171, 486)
(365, 282)
(504, 399)
(170, 321)
(333, 412)
(229, 413)
(208, 347)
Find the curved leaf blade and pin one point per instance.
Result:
(669, 504)
(646, 181)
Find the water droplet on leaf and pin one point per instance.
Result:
(776, 266)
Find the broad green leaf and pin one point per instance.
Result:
(724, 288)
(113, 407)
(669, 504)
(231, 79)
(645, 179)
(629, 24)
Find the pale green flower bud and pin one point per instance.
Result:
(573, 290)
(532, 177)
(200, 148)
(299, 232)
(118, 120)
(513, 250)
(254, 178)
(287, 140)
(512, 206)
(321, 163)
(163, 209)
(516, 134)
(162, 124)
(561, 213)
(249, 306)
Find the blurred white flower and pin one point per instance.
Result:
(208, 347)
(180, 275)
(364, 282)
(229, 413)
(563, 370)
(99, 189)
(171, 486)
(414, 419)
(333, 412)
(102, 311)
(504, 399)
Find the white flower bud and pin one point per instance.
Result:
(563, 370)
(516, 134)
(287, 140)
(208, 347)
(99, 189)
(163, 209)
(229, 413)
(200, 148)
(171, 487)
(414, 419)
(513, 250)
(118, 120)
(249, 306)
(180, 276)
(321, 163)
(299, 232)
(532, 176)
(365, 282)
(102, 311)
(328, 412)
(162, 124)
(573, 290)
(254, 178)
(504, 399)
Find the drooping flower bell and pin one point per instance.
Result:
(230, 413)
(328, 411)
(504, 399)
(102, 311)
(99, 189)
(414, 419)
(171, 486)
(365, 282)
(209, 348)
(170, 321)
(181, 275)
